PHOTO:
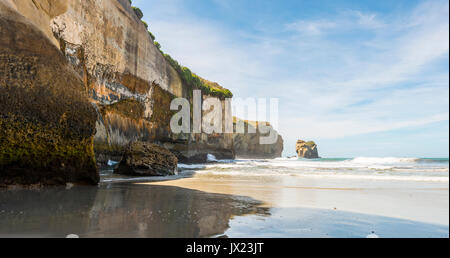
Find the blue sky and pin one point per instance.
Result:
(361, 78)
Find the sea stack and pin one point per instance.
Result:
(307, 150)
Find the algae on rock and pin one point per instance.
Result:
(47, 123)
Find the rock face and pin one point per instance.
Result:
(248, 145)
(112, 51)
(82, 77)
(47, 124)
(128, 79)
(307, 150)
(145, 159)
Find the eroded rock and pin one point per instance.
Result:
(307, 150)
(248, 145)
(145, 159)
(47, 123)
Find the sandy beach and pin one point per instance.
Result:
(390, 208)
(245, 199)
(118, 210)
(424, 202)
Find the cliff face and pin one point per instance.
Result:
(125, 75)
(248, 145)
(115, 49)
(46, 121)
(115, 66)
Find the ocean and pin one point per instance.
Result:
(369, 168)
(408, 169)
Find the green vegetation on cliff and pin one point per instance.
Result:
(138, 12)
(310, 143)
(47, 123)
(190, 79)
(193, 81)
(140, 15)
(43, 154)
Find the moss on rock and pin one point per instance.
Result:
(145, 159)
(130, 108)
(46, 121)
(161, 113)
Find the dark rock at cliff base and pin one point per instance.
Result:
(46, 121)
(197, 153)
(307, 150)
(145, 159)
(211, 156)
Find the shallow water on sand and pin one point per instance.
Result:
(119, 210)
(245, 198)
(131, 210)
(322, 223)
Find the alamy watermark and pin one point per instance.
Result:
(213, 116)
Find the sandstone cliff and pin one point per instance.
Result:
(126, 76)
(129, 79)
(307, 150)
(47, 124)
(114, 65)
(249, 145)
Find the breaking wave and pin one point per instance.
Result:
(367, 168)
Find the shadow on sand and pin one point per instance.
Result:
(120, 210)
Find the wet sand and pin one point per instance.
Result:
(205, 205)
(305, 207)
(120, 210)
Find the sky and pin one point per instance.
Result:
(360, 78)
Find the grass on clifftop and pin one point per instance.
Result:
(140, 15)
(194, 81)
(310, 143)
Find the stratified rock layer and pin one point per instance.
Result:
(46, 121)
(145, 159)
(129, 80)
(113, 64)
(307, 150)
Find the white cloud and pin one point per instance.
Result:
(331, 84)
(311, 27)
(368, 20)
(314, 128)
(348, 20)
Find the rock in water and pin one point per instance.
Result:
(47, 124)
(307, 150)
(145, 159)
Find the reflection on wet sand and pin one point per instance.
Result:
(120, 210)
